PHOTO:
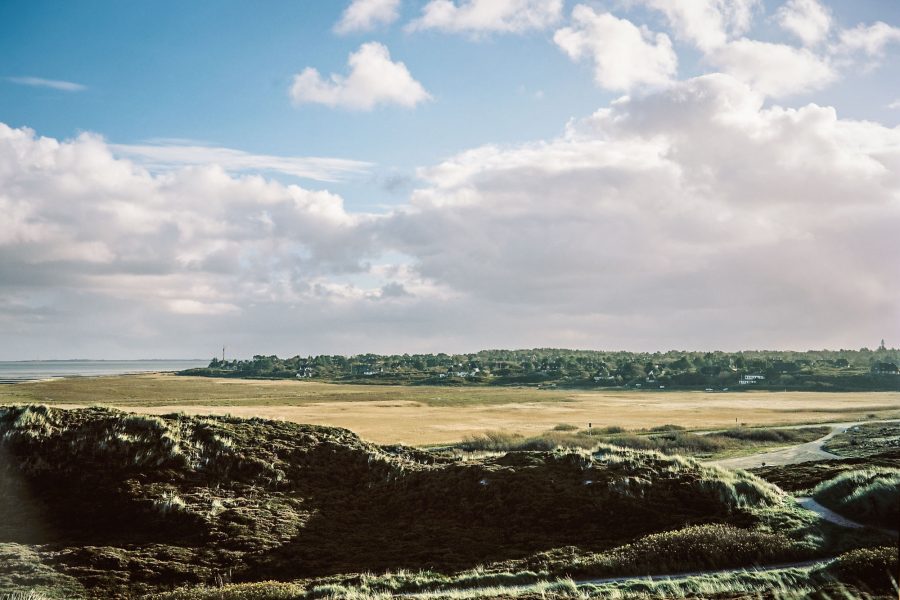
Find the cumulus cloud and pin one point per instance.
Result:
(717, 28)
(487, 16)
(706, 23)
(774, 69)
(374, 79)
(809, 20)
(871, 40)
(675, 218)
(73, 209)
(624, 55)
(365, 15)
(54, 84)
(691, 216)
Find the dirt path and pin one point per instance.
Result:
(833, 517)
(828, 514)
(792, 455)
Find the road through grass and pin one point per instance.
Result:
(434, 415)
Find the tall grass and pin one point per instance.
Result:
(669, 439)
(870, 496)
(703, 547)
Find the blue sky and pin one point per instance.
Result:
(219, 74)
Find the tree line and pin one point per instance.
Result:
(835, 370)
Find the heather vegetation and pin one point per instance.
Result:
(865, 440)
(817, 370)
(97, 503)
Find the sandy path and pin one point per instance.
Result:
(800, 453)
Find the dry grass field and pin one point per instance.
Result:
(434, 415)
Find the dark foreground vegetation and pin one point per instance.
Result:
(814, 370)
(97, 503)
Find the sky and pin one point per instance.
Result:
(306, 177)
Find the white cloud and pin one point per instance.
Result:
(706, 23)
(373, 80)
(624, 55)
(774, 69)
(193, 240)
(692, 216)
(194, 307)
(365, 15)
(809, 20)
(716, 28)
(870, 40)
(172, 154)
(895, 104)
(673, 219)
(488, 16)
(55, 84)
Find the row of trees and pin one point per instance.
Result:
(814, 369)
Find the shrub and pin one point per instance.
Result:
(667, 427)
(695, 548)
(266, 590)
(870, 496)
(565, 427)
(774, 435)
(872, 568)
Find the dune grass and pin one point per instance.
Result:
(870, 496)
(821, 582)
(669, 439)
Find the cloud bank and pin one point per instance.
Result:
(691, 216)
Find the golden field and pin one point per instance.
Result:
(433, 415)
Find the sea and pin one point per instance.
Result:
(31, 370)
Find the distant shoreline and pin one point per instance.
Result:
(13, 372)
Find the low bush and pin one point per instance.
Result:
(786, 436)
(266, 590)
(875, 569)
(702, 547)
(565, 427)
(870, 496)
(666, 427)
(669, 439)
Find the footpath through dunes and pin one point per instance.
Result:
(809, 452)
(127, 504)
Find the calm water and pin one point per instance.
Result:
(26, 370)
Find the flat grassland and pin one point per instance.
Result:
(421, 415)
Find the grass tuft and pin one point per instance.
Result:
(870, 496)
